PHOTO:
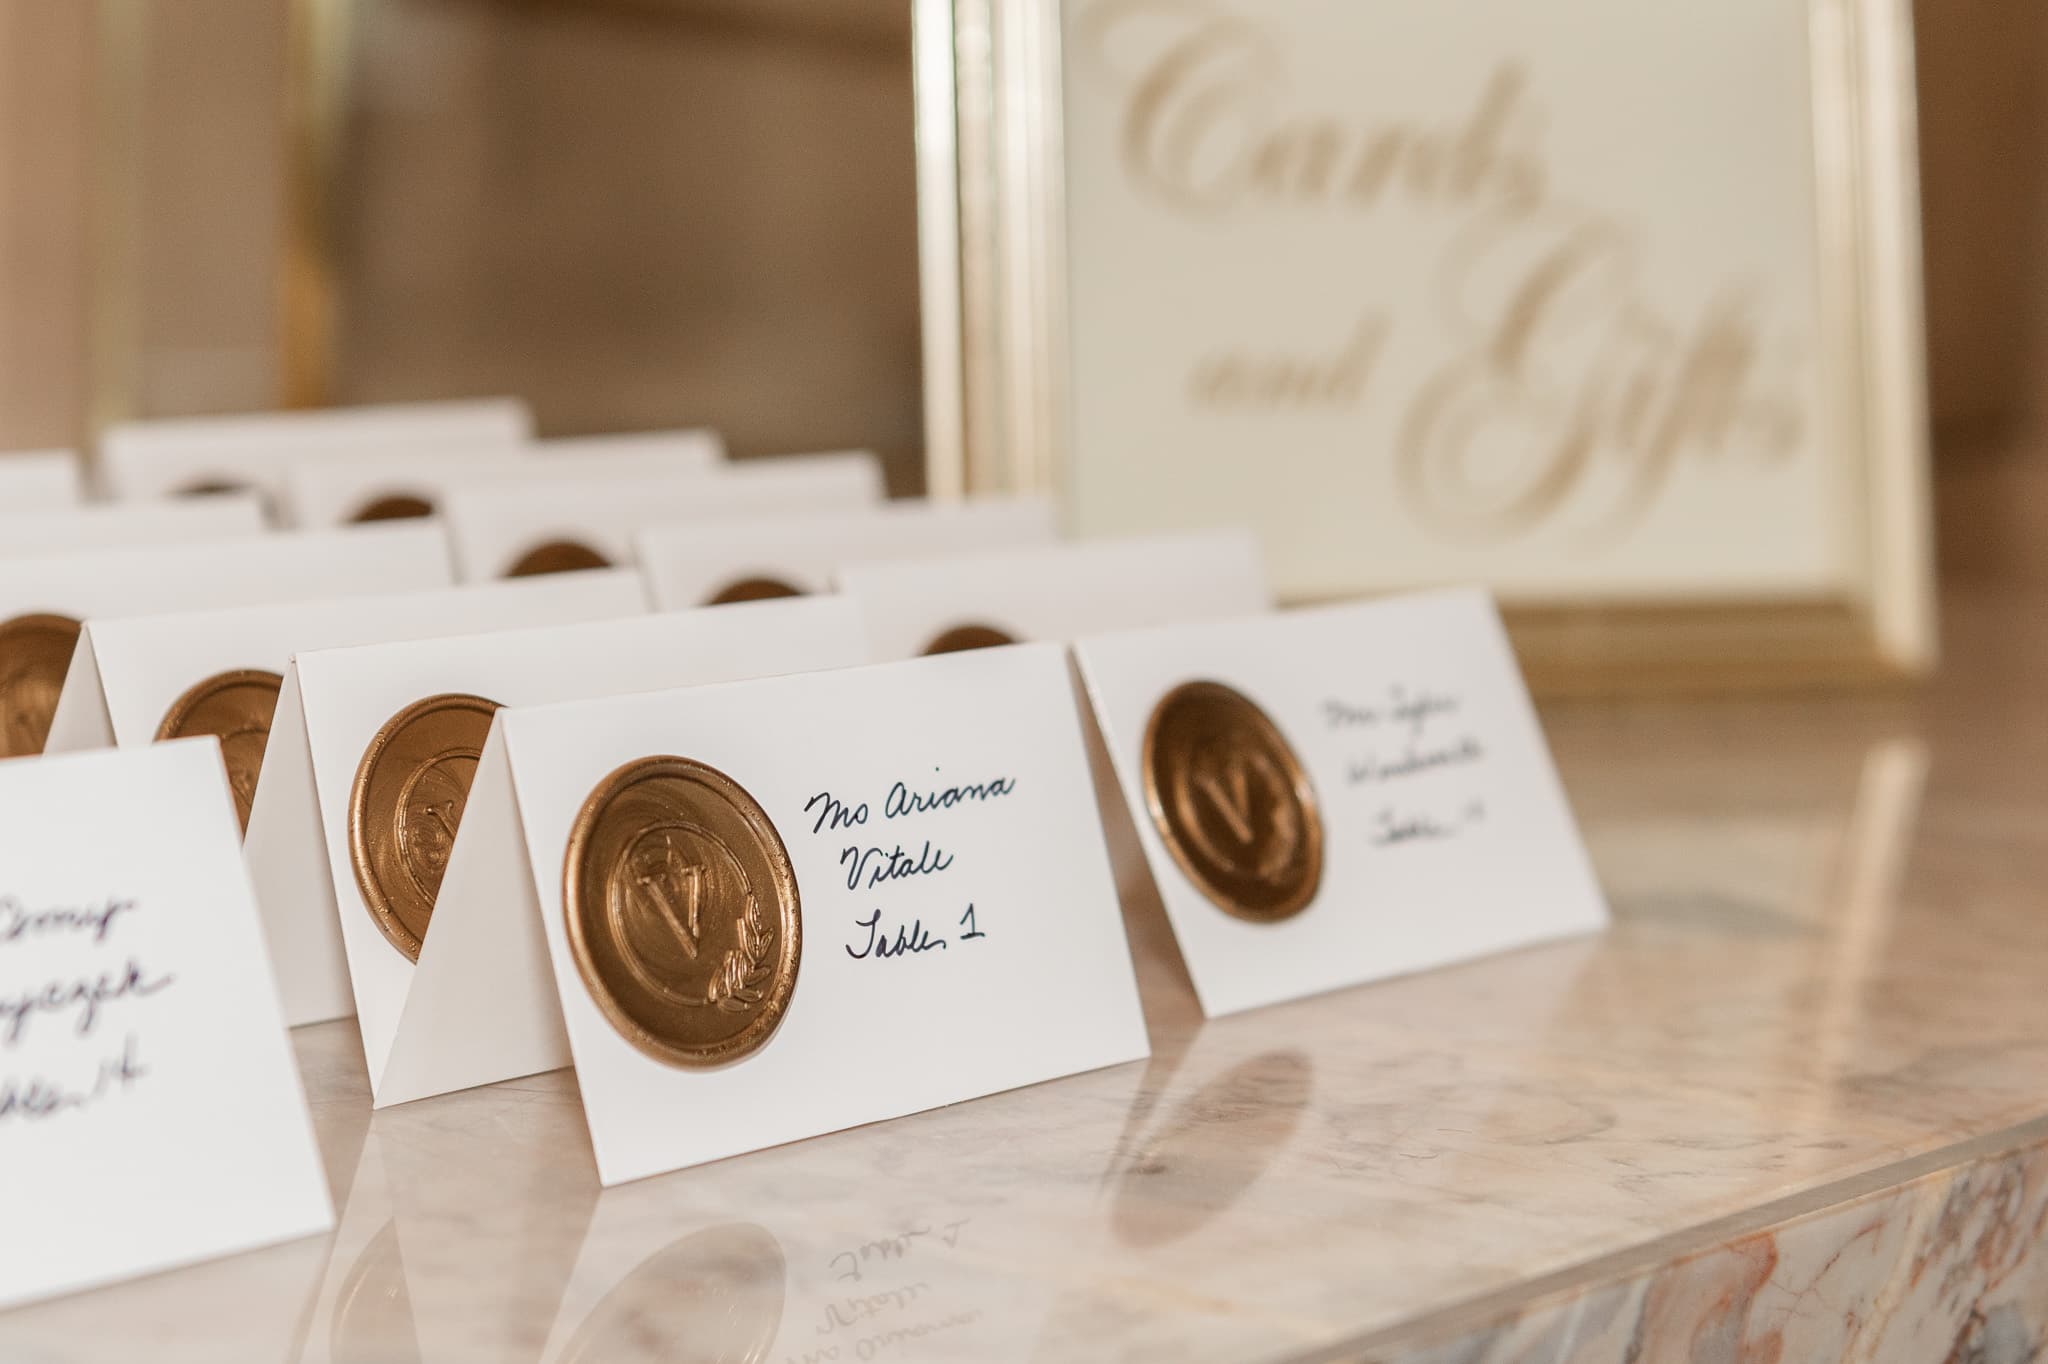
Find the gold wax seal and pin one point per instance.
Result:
(394, 507)
(236, 708)
(556, 556)
(753, 589)
(961, 638)
(682, 911)
(406, 806)
(1232, 802)
(35, 653)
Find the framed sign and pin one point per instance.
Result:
(1613, 307)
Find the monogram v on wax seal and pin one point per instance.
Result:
(406, 806)
(682, 912)
(236, 708)
(1232, 803)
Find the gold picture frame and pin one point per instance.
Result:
(991, 100)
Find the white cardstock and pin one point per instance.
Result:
(150, 1108)
(494, 527)
(691, 563)
(1060, 592)
(106, 525)
(176, 455)
(1446, 834)
(479, 1005)
(258, 570)
(326, 492)
(35, 480)
(142, 659)
(941, 823)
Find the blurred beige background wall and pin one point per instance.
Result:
(644, 212)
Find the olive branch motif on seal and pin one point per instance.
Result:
(738, 984)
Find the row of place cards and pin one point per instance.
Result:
(717, 858)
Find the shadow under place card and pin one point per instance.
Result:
(778, 909)
(150, 1108)
(1338, 795)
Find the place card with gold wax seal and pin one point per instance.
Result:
(1056, 592)
(109, 525)
(253, 452)
(709, 563)
(430, 882)
(1338, 795)
(150, 1108)
(40, 480)
(45, 600)
(228, 673)
(781, 908)
(551, 525)
(392, 484)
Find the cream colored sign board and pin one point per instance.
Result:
(1471, 290)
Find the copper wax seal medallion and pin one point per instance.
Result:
(406, 806)
(35, 653)
(394, 507)
(236, 708)
(682, 912)
(961, 638)
(753, 589)
(556, 556)
(1232, 802)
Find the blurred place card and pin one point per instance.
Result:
(104, 525)
(1339, 795)
(799, 553)
(150, 1108)
(389, 484)
(35, 480)
(1056, 592)
(45, 599)
(639, 451)
(416, 803)
(570, 522)
(778, 909)
(147, 660)
(185, 455)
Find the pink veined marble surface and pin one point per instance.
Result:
(1794, 1106)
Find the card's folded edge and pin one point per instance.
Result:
(482, 1006)
(287, 856)
(81, 721)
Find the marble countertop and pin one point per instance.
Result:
(1793, 1106)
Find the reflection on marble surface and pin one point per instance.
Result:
(1791, 1107)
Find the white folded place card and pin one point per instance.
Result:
(545, 525)
(416, 804)
(254, 450)
(103, 525)
(639, 451)
(144, 659)
(150, 1109)
(388, 484)
(746, 558)
(31, 480)
(44, 599)
(1056, 592)
(781, 908)
(1339, 795)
